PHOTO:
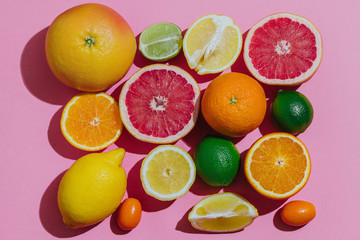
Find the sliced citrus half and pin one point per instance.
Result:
(91, 121)
(167, 172)
(277, 165)
(160, 41)
(283, 49)
(222, 212)
(160, 103)
(212, 44)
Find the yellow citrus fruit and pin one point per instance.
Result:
(90, 47)
(91, 121)
(92, 188)
(222, 212)
(212, 44)
(167, 172)
(234, 104)
(277, 165)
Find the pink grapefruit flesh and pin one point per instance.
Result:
(283, 49)
(159, 103)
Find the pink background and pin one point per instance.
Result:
(34, 154)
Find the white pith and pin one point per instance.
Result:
(293, 81)
(94, 122)
(221, 21)
(172, 138)
(143, 46)
(280, 162)
(194, 217)
(144, 168)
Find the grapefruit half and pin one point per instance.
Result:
(283, 49)
(160, 103)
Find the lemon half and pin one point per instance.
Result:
(167, 172)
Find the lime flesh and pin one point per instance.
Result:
(160, 41)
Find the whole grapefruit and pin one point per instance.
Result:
(90, 47)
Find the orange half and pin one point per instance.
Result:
(277, 165)
(91, 121)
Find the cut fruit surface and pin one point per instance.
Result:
(222, 212)
(212, 44)
(277, 165)
(160, 103)
(167, 172)
(91, 121)
(283, 49)
(160, 41)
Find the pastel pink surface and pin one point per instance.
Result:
(35, 155)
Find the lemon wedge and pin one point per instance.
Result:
(222, 212)
(212, 44)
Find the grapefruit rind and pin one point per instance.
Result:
(144, 166)
(225, 22)
(305, 76)
(152, 139)
(256, 185)
(195, 219)
(71, 140)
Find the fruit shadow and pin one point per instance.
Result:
(128, 141)
(114, 225)
(37, 76)
(50, 216)
(179, 61)
(241, 186)
(279, 223)
(135, 190)
(59, 143)
(268, 126)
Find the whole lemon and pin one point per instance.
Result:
(92, 188)
(90, 47)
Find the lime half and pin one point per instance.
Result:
(160, 41)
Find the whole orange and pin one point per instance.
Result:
(90, 47)
(234, 104)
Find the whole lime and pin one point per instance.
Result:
(291, 111)
(217, 161)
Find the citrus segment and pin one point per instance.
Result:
(160, 103)
(91, 121)
(277, 165)
(160, 41)
(222, 212)
(167, 172)
(212, 44)
(283, 49)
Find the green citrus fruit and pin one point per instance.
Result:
(217, 161)
(160, 41)
(291, 111)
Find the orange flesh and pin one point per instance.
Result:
(93, 120)
(279, 164)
